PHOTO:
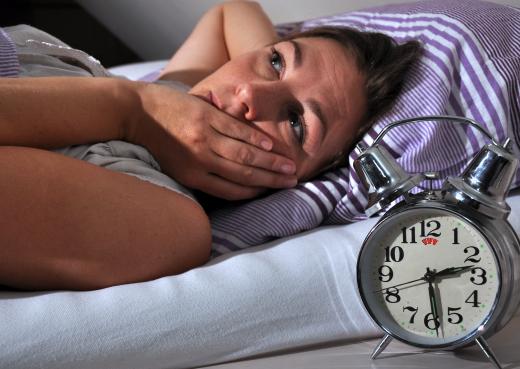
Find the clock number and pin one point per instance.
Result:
(412, 235)
(473, 299)
(411, 308)
(429, 319)
(395, 254)
(456, 237)
(481, 274)
(458, 317)
(392, 295)
(432, 233)
(475, 251)
(385, 273)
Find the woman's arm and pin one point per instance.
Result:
(225, 31)
(53, 112)
(68, 224)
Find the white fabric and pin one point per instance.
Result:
(286, 294)
(135, 71)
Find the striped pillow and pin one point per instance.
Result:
(471, 68)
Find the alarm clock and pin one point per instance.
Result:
(441, 268)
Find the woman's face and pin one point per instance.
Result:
(306, 94)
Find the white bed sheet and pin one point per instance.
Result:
(135, 71)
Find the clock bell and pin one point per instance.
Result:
(483, 186)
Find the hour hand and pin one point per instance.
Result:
(451, 271)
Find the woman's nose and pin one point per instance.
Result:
(255, 98)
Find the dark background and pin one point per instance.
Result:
(68, 21)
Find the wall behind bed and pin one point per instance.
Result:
(154, 29)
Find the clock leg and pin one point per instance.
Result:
(481, 342)
(381, 346)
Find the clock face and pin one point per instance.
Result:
(428, 277)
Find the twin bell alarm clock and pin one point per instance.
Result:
(440, 269)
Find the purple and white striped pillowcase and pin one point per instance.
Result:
(501, 44)
(462, 7)
(9, 66)
(240, 234)
(514, 88)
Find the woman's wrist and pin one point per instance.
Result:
(131, 96)
(151, 116)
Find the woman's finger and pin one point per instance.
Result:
(248, 155)
(250, 176)
(231, 127)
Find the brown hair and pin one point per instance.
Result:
(382, 61)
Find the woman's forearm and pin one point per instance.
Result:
(53, 112)
(224, 32)
(246, 27)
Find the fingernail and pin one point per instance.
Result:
(292, 182)
(288, 168)
(266, 145)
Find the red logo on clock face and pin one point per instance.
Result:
(430, 241)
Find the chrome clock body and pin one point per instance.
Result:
(441, 269)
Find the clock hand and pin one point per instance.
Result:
(450, 271)
(433, 302)
(402, 284)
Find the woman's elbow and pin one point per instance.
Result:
(197, 248)
(182, 243)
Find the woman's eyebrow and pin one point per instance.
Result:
(316, 109)
(297, 54)
(322, 129)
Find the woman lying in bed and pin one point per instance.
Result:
(262, 113)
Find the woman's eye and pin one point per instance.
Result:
(298, 127)
(276, 61)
